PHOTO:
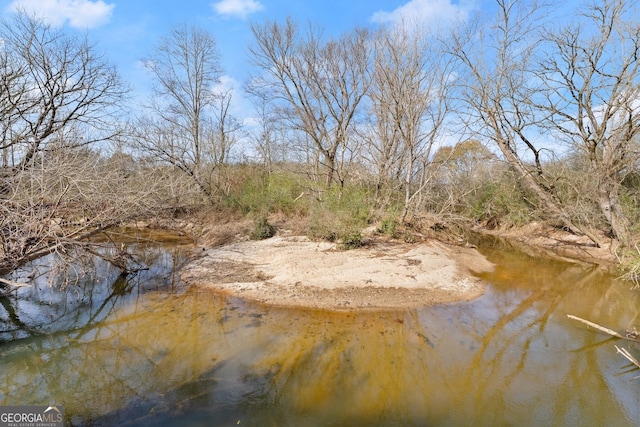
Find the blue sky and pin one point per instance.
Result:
(126, 30)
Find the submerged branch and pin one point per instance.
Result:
(602, 328)
(15, 284)
(623, 351)
(6, 291)
(629, 357)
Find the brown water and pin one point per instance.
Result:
(170, 355)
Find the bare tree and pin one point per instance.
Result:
(591, 76)
(463, 170)
(223, 130)
(409, 101)
(497, 89)
(71, 196)
(319, 85)
(263, 135)
(57, 96)
(182, 127)
(51, 81)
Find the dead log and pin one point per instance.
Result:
(623, 351)
(603, 329)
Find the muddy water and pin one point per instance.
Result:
(164, 354)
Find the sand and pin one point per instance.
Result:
(296, 271)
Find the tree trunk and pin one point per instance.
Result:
(551, 205)
(609, 203)
(407, 189)
(330, 164)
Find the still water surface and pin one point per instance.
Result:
(151, 351)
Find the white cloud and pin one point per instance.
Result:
(226, 84)
(78, 13)
(240, 105)
(237, 8)
(442, 12)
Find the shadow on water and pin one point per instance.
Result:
(160, 354)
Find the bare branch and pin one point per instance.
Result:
(319, 84)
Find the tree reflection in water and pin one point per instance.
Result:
(193, 357)
(84, 296)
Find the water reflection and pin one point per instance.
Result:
(196, 358)
(90, 292)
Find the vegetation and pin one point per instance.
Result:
(58, 99)
(542, 123)
(262, 229)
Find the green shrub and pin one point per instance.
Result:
(352, 240)
(258, 192)
(262, 229)
(352, 203)
(630, 201)
(503, 199)
(389, 227)
(339, 214)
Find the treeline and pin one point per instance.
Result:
(509, 118)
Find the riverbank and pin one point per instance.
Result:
(292, 270)
(297, 271)
(540, 239)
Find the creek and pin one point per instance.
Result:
(149, 350)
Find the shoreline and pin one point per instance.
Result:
(295, 271)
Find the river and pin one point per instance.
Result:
(149, 350)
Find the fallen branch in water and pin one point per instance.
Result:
(4, 291)
(602, 328)
(623, 351)
(10, 283)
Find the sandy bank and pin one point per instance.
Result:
(295, 271)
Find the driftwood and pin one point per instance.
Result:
(6, 290)
(603, 329)
(10, 283)
(623, 351)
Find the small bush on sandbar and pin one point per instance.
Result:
(352, 240)
(262, 229)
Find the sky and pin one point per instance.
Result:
(127, 30)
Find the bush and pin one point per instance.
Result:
(502, 199)
(262, 229)
(389, 227)
(352, 240)
(340, 215)
(259, 192)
